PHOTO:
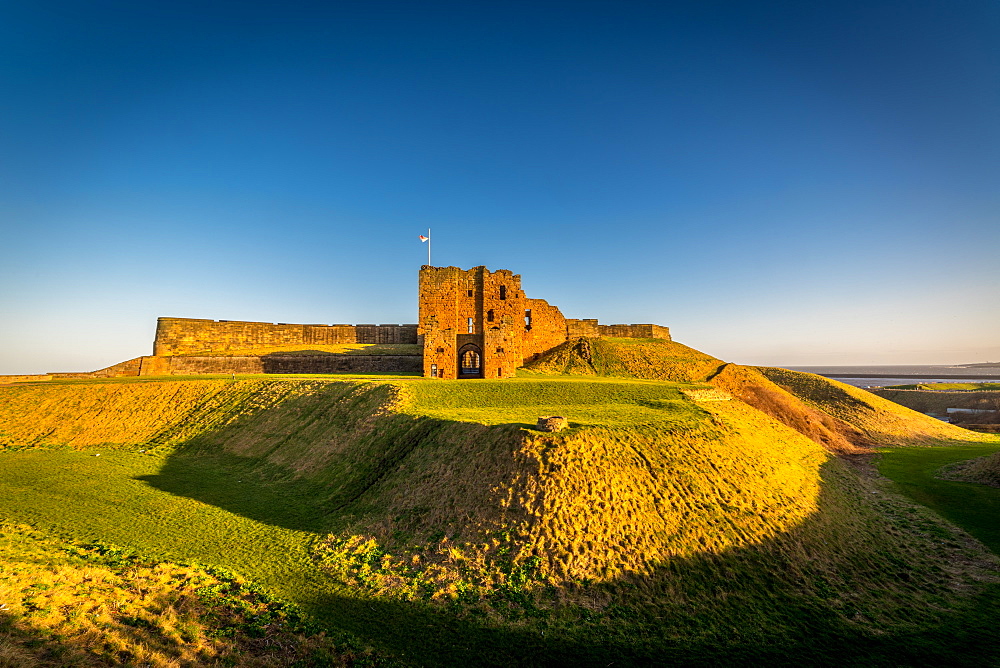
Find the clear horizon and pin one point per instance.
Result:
(780, 183)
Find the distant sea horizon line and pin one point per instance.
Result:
(874, 375)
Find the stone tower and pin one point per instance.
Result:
(477, 323)
(472, 322)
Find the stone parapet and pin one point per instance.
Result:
(590, 328)
(185, 336)
(28, 378)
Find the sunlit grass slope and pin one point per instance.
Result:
(882, 421)
(655, 359)
(939, 401)
(842, 419)
(67, 604)
(665, 518)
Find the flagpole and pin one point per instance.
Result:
(428, 246)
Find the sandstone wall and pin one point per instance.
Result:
(592, 329)
(127, 368)
(32, 378)
(193, 365)
(489, 310)
(292, 364)
(475, 307)
(545, 328)
(180, 336)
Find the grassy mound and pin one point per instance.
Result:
(655, 359)
(949, 387)
(939, 401)
(667, 516)
(882, 422)
(982, 470)
(751, 386)
(74, 604)
(842, 418)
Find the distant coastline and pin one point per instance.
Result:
(878, 376)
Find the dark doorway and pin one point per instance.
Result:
(470, 361)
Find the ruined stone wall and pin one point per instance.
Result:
(29, 378)
(184, 365)
(547, 328)
(180, 336)
(489, 310)
(292, 364)
(127, 368)
(502, 315)
(590, 328)
(475, 307)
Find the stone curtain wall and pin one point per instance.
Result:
(592, 329)
(182, 366)
(193, 366)
(31, 378)
(548, 328)
(127, 368)
(180, 336)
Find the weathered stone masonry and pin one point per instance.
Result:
(472, 323)
(480, 324)
(185, 336)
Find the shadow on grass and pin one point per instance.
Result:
(318, 361)
(817, 593)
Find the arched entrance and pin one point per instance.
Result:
(470, 361)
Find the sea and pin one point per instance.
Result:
(880, 376)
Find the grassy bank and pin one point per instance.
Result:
(974, 507)
(92, 604)
(428, 519)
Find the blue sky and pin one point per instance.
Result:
(778, 182)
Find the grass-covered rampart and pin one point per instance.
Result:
(92, 604)
(939, 401)
(668, 524)
(883, 422)
(983, 470)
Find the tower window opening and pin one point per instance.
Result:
(440, 350)
(472, 326)
(470, 293)
(489, 315)
(527, 318)
(434, 370)
(503, 292)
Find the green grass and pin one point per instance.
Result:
(655, 359)
(938, 401)
(974, 507)
(86, 604)
(972, 387)
(657, 530)
(584, 401)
